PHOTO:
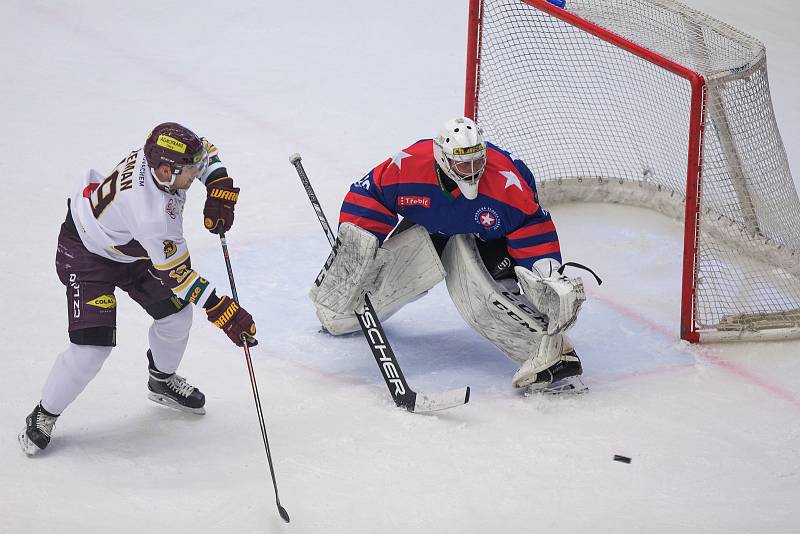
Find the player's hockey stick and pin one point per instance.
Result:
(281, 510)
(403, 395)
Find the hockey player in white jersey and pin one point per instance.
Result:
(125, 230)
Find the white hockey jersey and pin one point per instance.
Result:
(126, 217)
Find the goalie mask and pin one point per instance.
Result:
(460, 151)
(178, 147)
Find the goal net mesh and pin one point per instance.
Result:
(597, 123)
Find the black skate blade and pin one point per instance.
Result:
(571, 385)
(28, 447)
(170, 403)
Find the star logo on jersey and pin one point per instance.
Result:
(398, 159)
(511, 179)
(488, 218)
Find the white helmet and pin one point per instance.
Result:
(460, 151)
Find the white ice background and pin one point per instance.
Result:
(713, 431)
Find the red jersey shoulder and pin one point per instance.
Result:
(502, 181)
(412, 165)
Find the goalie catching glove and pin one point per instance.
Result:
(234, 320)
(221, 199)
(554, 294)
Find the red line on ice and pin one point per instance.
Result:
(701, 352)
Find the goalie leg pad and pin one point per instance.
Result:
(350, 270)
(509, 321)
(411, 268)
(399, 272)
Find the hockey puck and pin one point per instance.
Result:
(623, 459)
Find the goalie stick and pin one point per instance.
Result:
(403, 395)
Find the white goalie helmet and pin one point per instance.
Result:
(460, 151)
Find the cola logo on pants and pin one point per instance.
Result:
(103, 301)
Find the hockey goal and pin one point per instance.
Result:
(653, 104)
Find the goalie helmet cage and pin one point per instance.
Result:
(653, 104)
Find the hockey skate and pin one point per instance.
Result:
(175, 392)
(35, 437)
(562, 378)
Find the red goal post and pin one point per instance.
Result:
(654, 104)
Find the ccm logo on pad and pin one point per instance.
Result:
(407, 201)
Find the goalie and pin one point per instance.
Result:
(471, 217)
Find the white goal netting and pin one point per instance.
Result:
(595, 122)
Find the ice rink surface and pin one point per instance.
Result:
(713, 431)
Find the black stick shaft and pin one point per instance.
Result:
(228, 265)
(256, 397)
(326, 227)
(403, 395)
(371, 327)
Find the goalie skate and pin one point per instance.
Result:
(566, 386)
(562, 378)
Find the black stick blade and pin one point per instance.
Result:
(283, 513)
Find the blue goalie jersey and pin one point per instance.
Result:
(408, 185)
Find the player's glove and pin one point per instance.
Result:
(221, 199)
(234, 321)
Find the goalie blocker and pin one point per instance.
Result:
(528, 328)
